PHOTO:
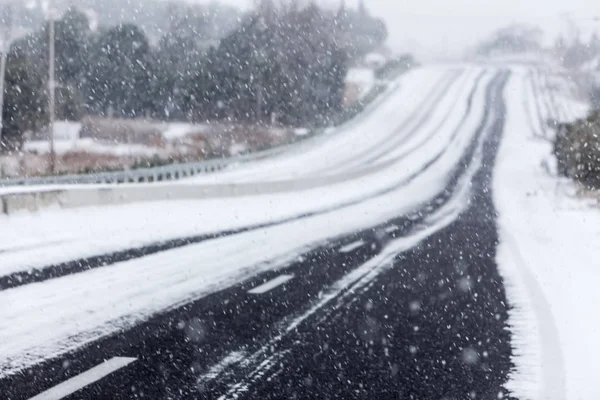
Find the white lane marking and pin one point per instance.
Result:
(84, 379)
(272, 284)
(231, 359)
(414, 217)
(352, 246)
(392, 229)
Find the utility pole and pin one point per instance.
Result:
(51, 92)
(6, 37)
(259, 100)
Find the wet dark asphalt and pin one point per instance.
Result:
(430, 327)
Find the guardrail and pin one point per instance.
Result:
(86, 196)
(143, 175)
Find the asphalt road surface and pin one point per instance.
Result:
(350, 319)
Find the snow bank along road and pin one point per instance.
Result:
(381, 285)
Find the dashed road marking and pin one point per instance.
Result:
(270, 285)
(352, 246)
(84, 379)
(229, 360)
(392, 229)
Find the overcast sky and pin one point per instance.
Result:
(435, 29)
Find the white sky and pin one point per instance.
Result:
(435, 29)
(442, 28)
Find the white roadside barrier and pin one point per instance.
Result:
(143, 175)
(33, 199)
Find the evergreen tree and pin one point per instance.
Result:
(281, 64)
(358, 31)
(121, 73)
(72, 41)
(25, 102)
(72, 46)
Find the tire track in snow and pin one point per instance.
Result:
(539, 371)
(527, 105)
(536, 95)
(417, 118)
(435, 129)
(544, 98)
(390, 148)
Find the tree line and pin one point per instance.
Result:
(515, 38)
(281, 63)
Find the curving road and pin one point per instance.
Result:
(381, 284)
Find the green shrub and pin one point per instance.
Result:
(577, 150)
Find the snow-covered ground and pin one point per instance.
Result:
(179, 130)
(89, 145)
(549, 253)
(363, 78)
(67, 139)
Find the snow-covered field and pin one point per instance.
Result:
(363, 78)
(548, 254)
(67, 139)
(89, 145)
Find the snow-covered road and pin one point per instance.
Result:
(33, 241)
(408, 175)
(415, 166)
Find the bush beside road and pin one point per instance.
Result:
(577, 150)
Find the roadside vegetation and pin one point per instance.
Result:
(577, 144)
(577, 151)
(515, 38)
(281, 64)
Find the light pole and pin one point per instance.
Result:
(6, 37)
(51, 92)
